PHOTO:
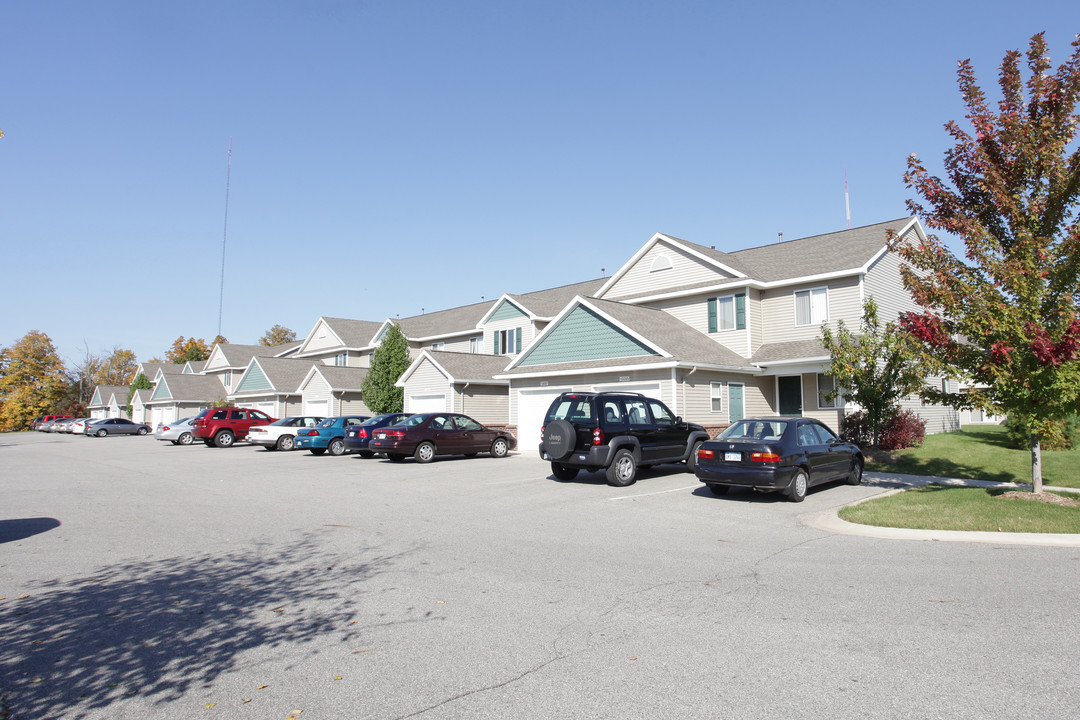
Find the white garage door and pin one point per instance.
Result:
(319, 408)
(155, 417)
(426, 403)
(267, 407)
(647, 389)
(532, 406)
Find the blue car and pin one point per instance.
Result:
(328, 435)
(357, 437)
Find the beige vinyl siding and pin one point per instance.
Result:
(458, 344)
(350, 403)
(316, 389)
(427, 380)
(487, 404)
(778, 308)
(694, 311)
(521, 323)
(695, 396)
(829, 416)
(755, 316)
(884, 283)
(322, 340)
(939, 418)
(686, 269)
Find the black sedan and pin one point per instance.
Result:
(787, 454)
(357, 437)
(115, 426)
(429, 434)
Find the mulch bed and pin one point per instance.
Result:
(1044, 497)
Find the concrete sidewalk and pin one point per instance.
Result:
(891, 483)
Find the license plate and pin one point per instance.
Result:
(732, 457)
(380, 436)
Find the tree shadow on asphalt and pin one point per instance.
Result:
(161, 627)
(22, 528)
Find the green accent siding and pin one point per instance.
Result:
(161, 392)
(584, 335)
(506, 311)
(254, 379)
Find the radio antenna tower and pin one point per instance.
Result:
(847, 200)
(224, 238)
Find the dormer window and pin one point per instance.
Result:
(727, 312)
(661, 262)
(341, 359)
(508, 342)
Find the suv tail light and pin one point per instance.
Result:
(764, 457)
(597, 436)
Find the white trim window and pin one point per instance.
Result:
(508, 342)
(438, 346)
(475, 343)
(811, 306)
(341, 359)
(716, 397)
(660, 262)
(826, 384)
(228, 379)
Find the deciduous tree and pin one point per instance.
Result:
(388, 363)
(187, 350)
(139, 383)
(32, 380)
(277, 335)
(1004, 316)
(875, 368)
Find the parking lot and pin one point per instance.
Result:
(144, 580)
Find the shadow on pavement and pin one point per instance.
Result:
(21, 528)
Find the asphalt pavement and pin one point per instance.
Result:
(144, 580)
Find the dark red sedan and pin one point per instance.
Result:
(426, 435)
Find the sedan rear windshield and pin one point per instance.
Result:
(755, 430)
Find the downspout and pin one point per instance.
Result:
(685, 378)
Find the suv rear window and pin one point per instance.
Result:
(573, 409)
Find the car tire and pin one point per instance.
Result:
(142, 431)
(395, 457)
(718, 490)
(562, 472)
(796, 491)
(691, 459)
(224, 439)
(317, 451)
(185, 439)
(425, 452)
(285, 442)
(336, 447)
(366, 454)
(500, 448)
(623, 469)
(101, 433)
(559, 439)
(855, 476)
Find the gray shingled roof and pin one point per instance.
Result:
(107, 391)
(353, 333)
(549, 303)
(193, 388)
(444, 322)
(341, 377)
(469, 366)
(285, 374)
(240, 355)
(789, 351)
(684, 343)
(150, 370)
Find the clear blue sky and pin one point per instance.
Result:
(394, 156)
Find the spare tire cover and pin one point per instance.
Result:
(559, 439)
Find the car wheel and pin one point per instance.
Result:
(366, 454)
(561, 472)
(718, 490)
(285, 442)
(224, 439)
(623, 469)
(317, 451)
(395, 457)
(425, 452)
(102, 433)
(691, 460)
(184, 439)
(797, 490)
(336, 447)
(142, 431)
(855, 476)
(500, 448)
(559, 440)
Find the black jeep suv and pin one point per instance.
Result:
(618, 432)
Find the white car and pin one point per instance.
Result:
(281, 434)
(79, 426)
(177, 432)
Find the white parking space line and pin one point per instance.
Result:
(661, 492)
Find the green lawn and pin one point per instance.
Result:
(978, 452)
(933, 507)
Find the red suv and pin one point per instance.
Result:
(224, 426)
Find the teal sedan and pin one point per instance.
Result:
(329, 435)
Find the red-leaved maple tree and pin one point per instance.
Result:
(1004, 317)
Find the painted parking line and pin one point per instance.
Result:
(660, 492)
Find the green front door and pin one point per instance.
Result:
(790, 391)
